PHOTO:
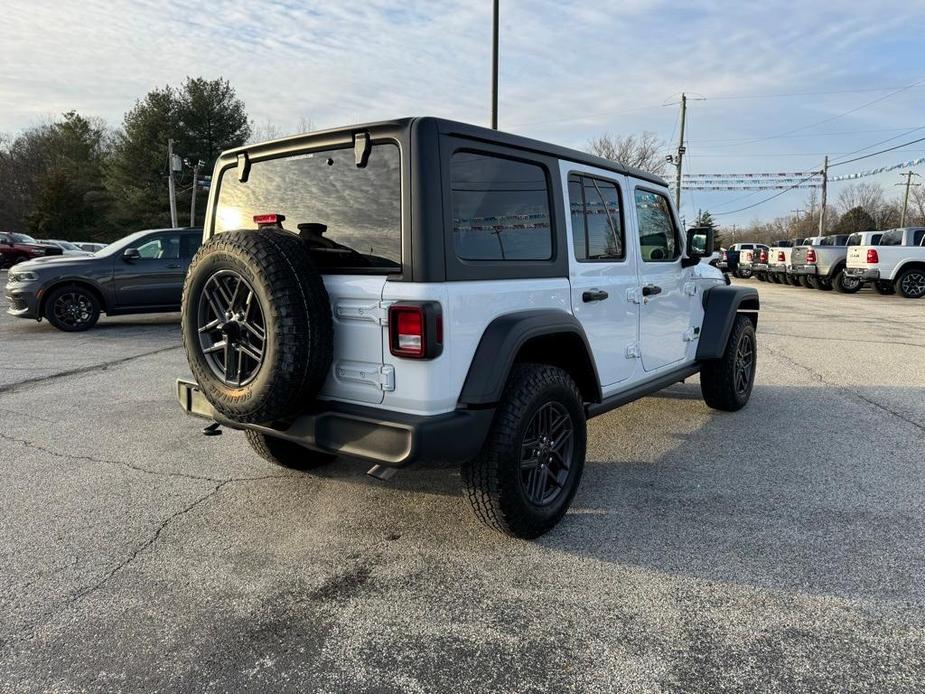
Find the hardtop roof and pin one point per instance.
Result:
(450, 127)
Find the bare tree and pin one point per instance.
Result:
(644, 151)
(264, 132)
(870, 196)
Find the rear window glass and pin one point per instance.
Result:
(597, 228)
(918, 237)
(500, 208)
(893, 237)
(350, 216)
(854, 240)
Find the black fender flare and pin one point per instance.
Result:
(502, 340)
(721, 305)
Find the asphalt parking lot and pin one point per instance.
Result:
(781, 548)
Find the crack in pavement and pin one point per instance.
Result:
(819, 377)
(83, 592)
(105, 461)
(38, 380)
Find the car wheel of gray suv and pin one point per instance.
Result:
(726, 383)
(911, 283)
(256, 324)
(285, 453)
(526, 475)
(72, 308)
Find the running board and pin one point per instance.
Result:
(640, 391)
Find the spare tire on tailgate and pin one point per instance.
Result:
(256, 324)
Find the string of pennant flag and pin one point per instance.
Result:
(780, 180)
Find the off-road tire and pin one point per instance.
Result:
(911, 283)
(285, 453)
(90, 308)
(845, 285)
(794, 281)
(884, 288)
(298, 347)
(776, 278)
(718, 377)
(493, 480)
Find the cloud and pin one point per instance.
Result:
(570, 70)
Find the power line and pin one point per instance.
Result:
(874, 154)
(833, 132)
(788, 94)
(875, 144)
(835, 117)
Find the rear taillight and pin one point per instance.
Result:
(269, 220)
(725, 257)
(763, 257)
(872, 255)
(781, 257)
(810, 256)
(416, 330)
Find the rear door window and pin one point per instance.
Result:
(597, 225)
(918, 237)
(500, 208)
(893, 237)
(350, 216)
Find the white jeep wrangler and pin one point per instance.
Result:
(424, 289)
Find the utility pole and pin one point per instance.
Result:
(677, 184)
(825, 185)
(908, 175)
(192, 202)
(171, 184)
(494, 66)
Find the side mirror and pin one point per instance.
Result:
(131, 254)
(699, 245)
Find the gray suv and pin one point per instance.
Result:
(141, 273)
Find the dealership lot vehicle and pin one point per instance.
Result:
(142, 273)
(797, 561)
(16, 248)
(504, 319)
(747, 259)
(67, 248)
(825, 263)
(90, 246)
(895, 264)
(800, 279)
(779, 260)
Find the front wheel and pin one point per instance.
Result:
(72, 308)
(911, 283)
(726, 383)
(285, 453)
(524, 479)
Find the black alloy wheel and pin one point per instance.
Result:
(546, 453)
(232, 328)
(72, 309)
(744, 364)
(911, 284)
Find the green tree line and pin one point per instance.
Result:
(77, 179)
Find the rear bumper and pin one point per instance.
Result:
(393, 439)
(804, 270)
(759, 267)
(862, 273)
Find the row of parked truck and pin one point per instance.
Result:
(891, 261)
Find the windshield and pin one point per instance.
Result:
(350, 216)
(23, 238)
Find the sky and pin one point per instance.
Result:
(771, 83)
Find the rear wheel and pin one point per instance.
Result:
(845, 284)
(726, 383)
(285, 453)
(72, 308)
(776, 278)
(823, 284)
(884, 288)
(524, 479)
(794, 280)
(911, 283)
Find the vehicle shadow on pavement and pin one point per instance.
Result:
(778, 495)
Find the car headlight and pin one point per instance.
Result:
(21, 277)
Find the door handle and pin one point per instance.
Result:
(651, 290)
(594, 295)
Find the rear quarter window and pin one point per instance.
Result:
(500, 208)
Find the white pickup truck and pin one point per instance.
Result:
(779, 260)
(897, 263)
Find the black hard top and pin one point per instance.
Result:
(476, 132)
